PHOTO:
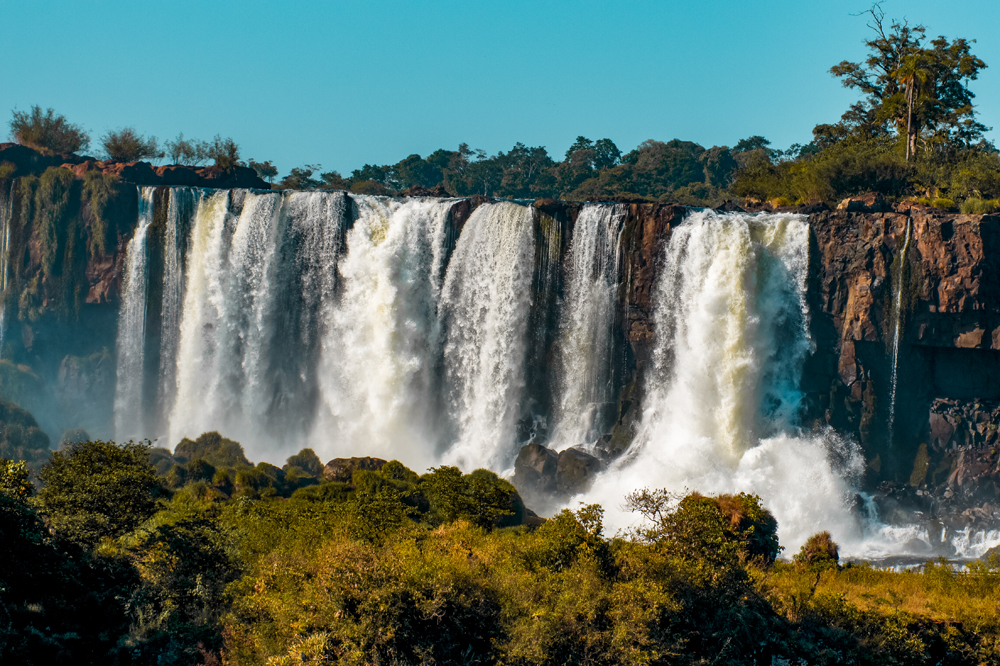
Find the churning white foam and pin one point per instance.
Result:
(722, 399)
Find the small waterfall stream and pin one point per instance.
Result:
(585, 348)
(897, 308)
(6, 215)
(129, 412)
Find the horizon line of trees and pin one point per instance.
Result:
(914, 134)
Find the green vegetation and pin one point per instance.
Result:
(235, 564)
(127, 145)
(47, 131)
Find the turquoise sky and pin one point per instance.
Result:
(344, 83)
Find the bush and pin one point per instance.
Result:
(975, 206)
(307, 461)
(47, 131)
(98, 489)
(127, 145)
(213, 448)
(819, 552)
(20, 436)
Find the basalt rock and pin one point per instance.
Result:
(541, 474)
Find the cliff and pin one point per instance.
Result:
(70, 225)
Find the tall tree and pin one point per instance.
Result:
(919, 91)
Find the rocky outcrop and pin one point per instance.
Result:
(542, 475)
(29, 162)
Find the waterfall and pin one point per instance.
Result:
(246, 355)
(897, 308)
(484, 309)
(181, 207)
(722, 399)
(6, 215)
(129, 413)
(383, 339)
(585, 349)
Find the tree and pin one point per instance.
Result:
(14, 480)
(225, 153)
(921, 93)
(723, 529)
(301, 178)
(47, 131)
(127, 145)
(98, 489)
(182, 151)
(214, 448)
(264, 169)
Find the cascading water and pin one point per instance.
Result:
(484, 309)
(129, 415)
(585, 348)
(6, 215)
(247, 350)
(897, 308)
(181, 208)
(383, 339)
(722, 400)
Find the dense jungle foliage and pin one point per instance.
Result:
(127, 554)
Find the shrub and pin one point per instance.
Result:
(97, 489)
(819, 552)
(975, 206)
(307, 461)
(14, 480)
(47, 131)
(7, 169)
(127, 145)
(213, 448)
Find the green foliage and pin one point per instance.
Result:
(127, 145)
(52, 201)
(724, 530)
(14, 480)
(99, 190)
(183, 151)
(213, 448)
(482, 497)
(819, 552)
(224, 152)
(975, 206)
(20, 436)
(265, 170)
(7, 169)
(47, 131)
(98, 489)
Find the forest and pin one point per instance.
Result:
(129, 554)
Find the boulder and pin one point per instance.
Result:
(575, 471)
(535, 470)
(178, 174)
(342, 469)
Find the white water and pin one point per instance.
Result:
(383, 339)
(6, 215)
(722, 399)
(129, 414)
(180, 210)
(898, 326)
(585, 349)
(243, 365)
(484, 308)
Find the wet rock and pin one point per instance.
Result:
(575, 471)
(535, 470)
(342, 469)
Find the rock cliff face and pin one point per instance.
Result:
(944, 292)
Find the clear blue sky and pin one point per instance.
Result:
(344, 83)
